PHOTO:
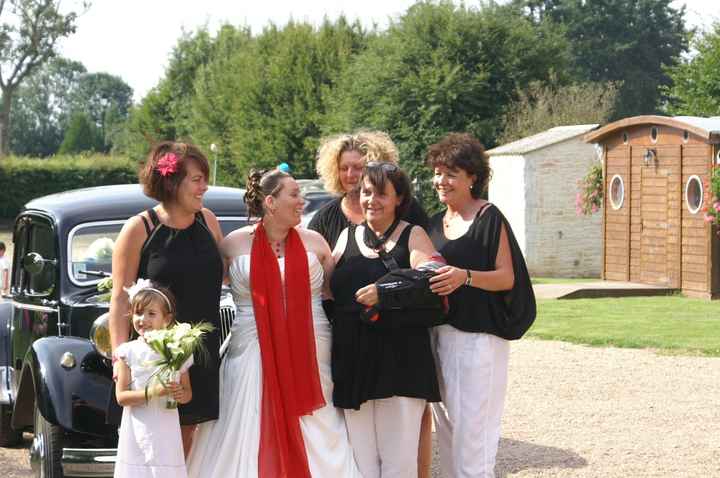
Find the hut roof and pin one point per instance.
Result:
(542, 140)
(706, 128)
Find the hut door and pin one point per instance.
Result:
(657, 231)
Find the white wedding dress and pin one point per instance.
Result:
(228, 447)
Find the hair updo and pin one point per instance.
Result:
(261, 184)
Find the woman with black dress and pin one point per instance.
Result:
(472, 355)
(383, 371)
(340, 164)
(175, 244)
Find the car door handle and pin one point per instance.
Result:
(48, 303)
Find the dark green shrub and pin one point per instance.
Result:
(23, 179)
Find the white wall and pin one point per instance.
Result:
(508, 192)
(559, 243)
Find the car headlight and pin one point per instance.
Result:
(100, 335)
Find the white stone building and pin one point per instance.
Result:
(534, 183)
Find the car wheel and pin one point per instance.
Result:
(8, 436)
(46, 448)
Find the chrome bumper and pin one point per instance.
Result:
(88, 462)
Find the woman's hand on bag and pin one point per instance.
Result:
(447, 279)
(367, 296)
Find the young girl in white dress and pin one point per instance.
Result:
(150, 444)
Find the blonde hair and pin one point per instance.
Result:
(372, 145)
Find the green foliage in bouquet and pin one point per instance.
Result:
(176, 345)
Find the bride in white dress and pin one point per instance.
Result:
(231, 446)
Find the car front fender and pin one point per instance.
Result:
(70, 382)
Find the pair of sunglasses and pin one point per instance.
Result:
(384, 165)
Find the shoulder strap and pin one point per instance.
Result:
(148, 230)
(201, 217)
(482, 209)
(153, 217)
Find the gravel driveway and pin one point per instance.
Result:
(575, 411)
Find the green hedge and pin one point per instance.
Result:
(24, 179)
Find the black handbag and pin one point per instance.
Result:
(408, 289)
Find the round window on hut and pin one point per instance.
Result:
(693, 194)
(686, 136)
(625, 137)
(617, 192)
(653, 134)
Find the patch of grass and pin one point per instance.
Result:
(562, 280)
(673, 324)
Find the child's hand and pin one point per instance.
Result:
(157, 390)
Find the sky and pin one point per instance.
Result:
(133, 38)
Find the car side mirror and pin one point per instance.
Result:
(34, 263)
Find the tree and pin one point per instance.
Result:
(629, 42)
(443, 68)
(695, 90)
(105, 99)
(41, 108)
(543, 106)
(29, 33)
(81, 136)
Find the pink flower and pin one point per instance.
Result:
(716, 205)
(709, 218)
(594, 208)
(168, 164)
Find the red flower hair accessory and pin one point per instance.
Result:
(168, 164)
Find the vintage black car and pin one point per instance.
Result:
(55, 375)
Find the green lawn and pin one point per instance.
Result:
(672, 324)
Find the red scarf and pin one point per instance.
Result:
(291, 383)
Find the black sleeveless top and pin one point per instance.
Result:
(188, 262)
(371, 362)
(477, 310)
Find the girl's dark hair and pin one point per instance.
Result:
(148, 296)
(164, 188)
(261, 184)
(466, 152)
(378, 172)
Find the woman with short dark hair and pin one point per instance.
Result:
(485, 274)
(175, 244)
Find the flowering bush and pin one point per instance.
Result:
(590, 192)
(712, 211)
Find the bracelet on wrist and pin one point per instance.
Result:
(146, 395)
(469, 277)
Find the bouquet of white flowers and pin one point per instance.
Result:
(175, 345)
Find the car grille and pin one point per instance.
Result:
(227, 315)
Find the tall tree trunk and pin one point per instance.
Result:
(7, 95)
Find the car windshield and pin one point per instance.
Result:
(90, 248)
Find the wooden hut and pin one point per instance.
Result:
(657, 173)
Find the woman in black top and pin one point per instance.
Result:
(483, 258)
(340, 164)
(175, 244)
(383, 371)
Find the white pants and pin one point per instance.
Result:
(472, 371)
(384, 435)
